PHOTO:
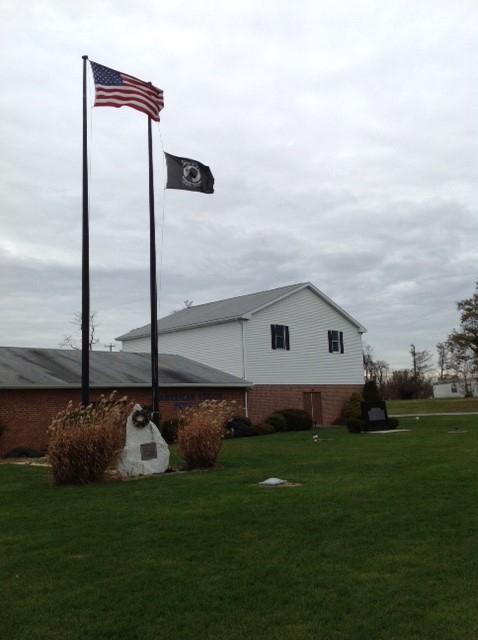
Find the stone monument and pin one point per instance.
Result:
(375, 415)
(145, 451)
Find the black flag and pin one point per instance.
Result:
(191, 175)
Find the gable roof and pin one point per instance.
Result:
(60, 368)
(231, 309)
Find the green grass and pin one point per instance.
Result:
(432, 405)
(378, 542)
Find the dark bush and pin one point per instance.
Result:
(24, 452)
(393, 423)
(356, 425)
(278, 421)
(353, 408)
(297, 419)
(169, 430)
(240, 427)
(370, 392)
(264, 429)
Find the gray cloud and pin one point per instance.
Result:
(342, 138)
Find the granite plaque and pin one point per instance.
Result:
(149, 451)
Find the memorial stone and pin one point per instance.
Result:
(375, 415)
(145, 451)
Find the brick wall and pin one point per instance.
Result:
(265, 399)
(26, 414)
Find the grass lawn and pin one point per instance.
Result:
(432, 405)
(378, 542)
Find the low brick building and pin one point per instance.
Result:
(36, 384)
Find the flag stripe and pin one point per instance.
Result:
(120, 98)
(116, 89)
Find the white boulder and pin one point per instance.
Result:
(145, 451)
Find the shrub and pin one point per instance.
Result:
(393, 423)
(239, 427)
(356, 425)
(169, 430)
(370, 392)
(23, 452)
(264, 429)
(297, 419)
(202, 431)
(352, 409)
(84, 441)
(278, 421)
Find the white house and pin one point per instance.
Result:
(297, 346)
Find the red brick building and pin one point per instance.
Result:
(36, 384)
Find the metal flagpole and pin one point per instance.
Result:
(85, 274)
(153, 288)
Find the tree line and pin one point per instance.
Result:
(457, 361)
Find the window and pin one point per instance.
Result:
(280, 336)
(336, 341)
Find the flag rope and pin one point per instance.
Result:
(163, 219)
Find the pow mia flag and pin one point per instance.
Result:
(191, 175)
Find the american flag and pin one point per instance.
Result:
(116, 89)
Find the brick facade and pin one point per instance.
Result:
(26, 414)
(265, 399)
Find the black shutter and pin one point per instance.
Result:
(273, 336)
(287, 343)
(341, 336)
(330, 341)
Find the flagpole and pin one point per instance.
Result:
(85, 273)
(153, 288)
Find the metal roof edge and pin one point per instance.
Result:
(196, 325)
(320, 294)
(133, 385)
(296, 289)
(248, 315)
(334, 305)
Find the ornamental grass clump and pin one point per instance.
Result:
(85, 441)
(202, 431)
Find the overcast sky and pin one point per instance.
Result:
(342, 136)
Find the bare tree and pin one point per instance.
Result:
(187, 304)
(420, 362)
(381, 372)
(462, 362)
(443, 358)
(71, 340)
(462, 345)
(368, 364)
(376, 370)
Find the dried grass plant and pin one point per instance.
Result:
(85, 441)
(202, 431)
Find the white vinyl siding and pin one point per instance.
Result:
(218, 346)
(308, 361)
(139, 345)
(308, 318)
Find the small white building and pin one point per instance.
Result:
(452, 389)
(297, 347)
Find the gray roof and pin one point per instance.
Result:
(231, 309)
(49, 368)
